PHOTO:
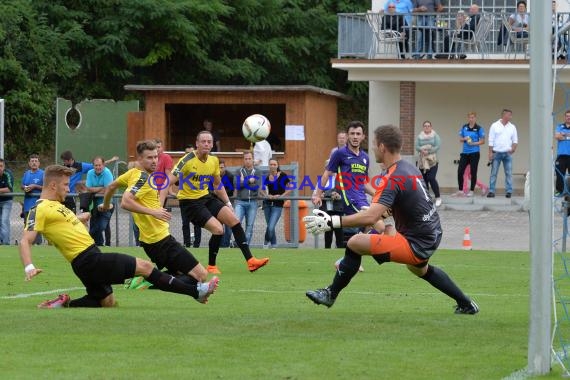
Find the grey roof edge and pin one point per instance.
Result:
(205, 88)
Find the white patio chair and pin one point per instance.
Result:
(475, 40)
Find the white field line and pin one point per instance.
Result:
(27, 295)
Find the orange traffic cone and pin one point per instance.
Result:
(467, 240)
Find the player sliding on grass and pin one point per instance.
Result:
(414, 239)
(200, 173)
(96, 270)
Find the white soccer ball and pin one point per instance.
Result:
(256, 128)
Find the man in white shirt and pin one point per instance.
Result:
(261, 153)
(503, 141)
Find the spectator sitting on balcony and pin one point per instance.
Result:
(520, 20)
(394, 21)
(426, 18)
(403, 7)
(464, 29)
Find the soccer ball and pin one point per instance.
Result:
(256, 128)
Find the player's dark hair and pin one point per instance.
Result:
(67, 155)
(505, 110)
(57, 171)
(145, 145)
(34, 155)
(390, 136)
(355, 124)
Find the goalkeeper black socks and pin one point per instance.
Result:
(169, 283)
(441, 281)
(347, 268)
(214, 248)
(239, 236)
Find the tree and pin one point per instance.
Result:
(91, 49)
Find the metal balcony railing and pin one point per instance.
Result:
(436, 35)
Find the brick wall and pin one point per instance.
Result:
(408, 115)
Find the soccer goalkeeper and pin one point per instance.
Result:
(413, 240)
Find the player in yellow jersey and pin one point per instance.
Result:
(96, 270)
(197, 173)
(141, 198)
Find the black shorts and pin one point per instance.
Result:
(200, 210)
(170, 254)
(97, 270)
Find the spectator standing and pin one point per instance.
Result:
(503, 141)
(80, 169)
(471, 136)
(562, 165)
(403, 7)
(209, 126)
(32, 184)
(333, 206)
(425, 10)
(261, 153)
(392, 20)
(164, 164)
(273, 193)
(98, 179)
(228, 182)
(248, 182)
(341, 139)
(6, 186)
(427, 146)
(520, 20)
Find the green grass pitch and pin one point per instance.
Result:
(386, 325)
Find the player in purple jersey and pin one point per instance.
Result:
(350, 165)
(415, 237)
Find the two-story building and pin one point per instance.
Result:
(406, 92)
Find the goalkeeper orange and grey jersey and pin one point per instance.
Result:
(196, 177)
(136, 182)
(403, 190)
(60, 226)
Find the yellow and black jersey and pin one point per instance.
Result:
(196, 177)
(136, 182)
(60, 226)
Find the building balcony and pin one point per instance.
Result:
(425, 38)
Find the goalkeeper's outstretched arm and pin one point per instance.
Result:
(369, 217)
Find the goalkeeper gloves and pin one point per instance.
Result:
(321, 222)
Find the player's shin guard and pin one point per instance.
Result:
(239, 236)
(214, 248)
(347, 268)
(441, 281)
(169, 283)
